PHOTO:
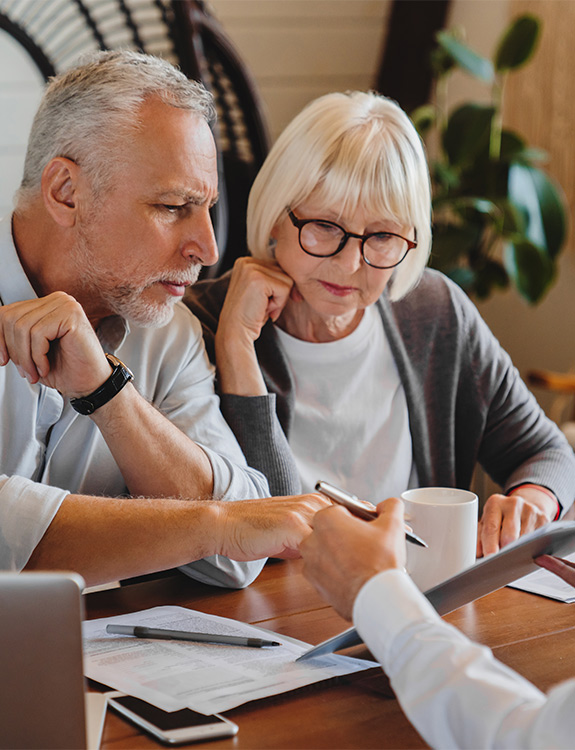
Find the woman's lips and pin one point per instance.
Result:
(339, 291)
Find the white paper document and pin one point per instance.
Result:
(96, 704)
(547, 584)
(206, 677)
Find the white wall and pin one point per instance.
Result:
(21, 86)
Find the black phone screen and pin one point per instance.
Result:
(185, 717)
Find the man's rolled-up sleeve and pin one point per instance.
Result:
(185, 394)
(26, 510)
(231, 482)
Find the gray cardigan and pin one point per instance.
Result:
(466, 401)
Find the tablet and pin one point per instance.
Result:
(487, 575)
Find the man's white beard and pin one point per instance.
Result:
(122, 298)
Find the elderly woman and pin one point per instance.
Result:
(380, 373)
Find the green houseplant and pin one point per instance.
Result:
(499, 220)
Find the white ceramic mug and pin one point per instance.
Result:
(446, 519)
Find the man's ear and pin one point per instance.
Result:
(60, 180)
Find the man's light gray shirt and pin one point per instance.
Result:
(47, 450)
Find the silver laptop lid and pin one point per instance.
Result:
(42, 682)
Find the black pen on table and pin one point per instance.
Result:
(139, 631)
(359, 507)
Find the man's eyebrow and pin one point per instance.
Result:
(196, 199)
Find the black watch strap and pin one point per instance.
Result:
(117, 380)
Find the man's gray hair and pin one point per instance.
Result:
(86, 111)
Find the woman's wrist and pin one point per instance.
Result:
(537, 493)
(238, 369)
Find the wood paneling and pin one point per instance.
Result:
(540, 98)
(301, 49)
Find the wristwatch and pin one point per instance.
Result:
(117, 380)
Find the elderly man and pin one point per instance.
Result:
(105, 387)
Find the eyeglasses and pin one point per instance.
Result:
(323, 239)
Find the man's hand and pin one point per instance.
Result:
(274, 527)
(562, 568)
(343, 552)
(51, 341)
(258, 292)
(507, 517)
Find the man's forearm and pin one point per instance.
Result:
(155, 457)
(106, 539)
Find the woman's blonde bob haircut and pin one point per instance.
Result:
(349, 150)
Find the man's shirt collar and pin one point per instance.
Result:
(14, 284)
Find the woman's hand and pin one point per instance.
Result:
(507, 517)
(258, 291)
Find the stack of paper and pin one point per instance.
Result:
(547, 584)
(205, 677)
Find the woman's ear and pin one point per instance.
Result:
(273, 241)
(59, 190)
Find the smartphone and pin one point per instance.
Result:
(172, 728)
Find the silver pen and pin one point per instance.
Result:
(139, 631)
(359, 507)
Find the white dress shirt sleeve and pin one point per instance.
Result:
(26, 510)
(455, 693)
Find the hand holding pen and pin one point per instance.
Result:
(360, 508)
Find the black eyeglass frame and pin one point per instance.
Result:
(301, 223)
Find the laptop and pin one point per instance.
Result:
(41, 670)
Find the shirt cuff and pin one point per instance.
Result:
(386, 605)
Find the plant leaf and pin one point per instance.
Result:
(542, 204)
(424, 118)
(465, 57)
(513, 148)
(531, 270)
(441, 62)
(518, 43)
(514, 221)
(512, 145)
(467, 132)
(452, 242)
(489, 276)
(444, 176)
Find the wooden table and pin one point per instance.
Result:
(527, 632)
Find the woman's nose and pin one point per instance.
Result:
(350, 257)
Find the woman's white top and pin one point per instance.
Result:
(351, 424)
